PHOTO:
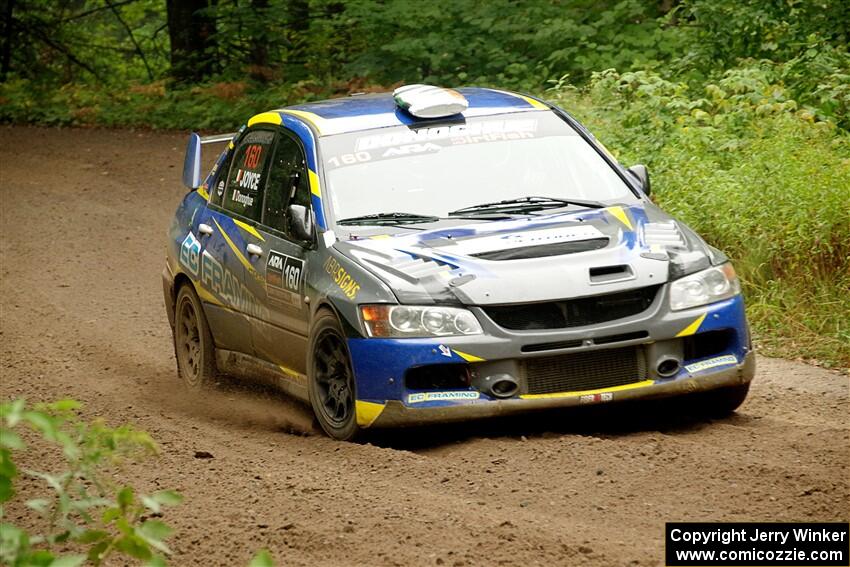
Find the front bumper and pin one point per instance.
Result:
(395, 413)
(386, 396)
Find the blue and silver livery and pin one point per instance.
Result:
(438, 255)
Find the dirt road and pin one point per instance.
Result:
(84, 215)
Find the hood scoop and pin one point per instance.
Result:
(608, 274)
(539, 243)
(545, 250)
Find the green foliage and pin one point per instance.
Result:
(722, 31)
(500, 42)
(81, 63)
(204, 106)
(85, 511)
(75, 42)
(758, 177)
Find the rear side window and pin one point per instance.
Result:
(243, 194)
(288, 183)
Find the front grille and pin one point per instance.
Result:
(606, 340)
(585, 370)
(573, 312)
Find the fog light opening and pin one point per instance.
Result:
(504, 387)
(668, 367)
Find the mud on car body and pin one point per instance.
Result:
(438, 255)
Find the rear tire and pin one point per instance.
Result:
(193, 342)
(723, 401)
(330, 383)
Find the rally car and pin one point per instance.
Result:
(434, 255)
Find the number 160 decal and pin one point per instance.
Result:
(283, 278)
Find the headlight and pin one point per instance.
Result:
(707, 286)
(418, 321)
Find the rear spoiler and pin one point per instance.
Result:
(192, 161)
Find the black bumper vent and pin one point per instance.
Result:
(573, 312)
(585, 370)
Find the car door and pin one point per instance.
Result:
(226, 274)
(280, 337)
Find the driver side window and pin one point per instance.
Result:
(288, 184)
(244, 192)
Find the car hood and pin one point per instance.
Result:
(540, 258)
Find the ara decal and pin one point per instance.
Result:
(283, 278)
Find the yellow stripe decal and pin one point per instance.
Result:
(693, 327)
(249, 229)
(367, 412)
(314, 119)
(621, 216)
(634, 386)
(265, 118)
(314, 183)
(607, 151)
(468, 357)
(534, 103)
(289, 372)
(236, 251)
(202, 191)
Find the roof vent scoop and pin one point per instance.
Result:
(427, 101)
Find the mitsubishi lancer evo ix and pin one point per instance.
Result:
(436, 255)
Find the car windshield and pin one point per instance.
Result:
(438, 169)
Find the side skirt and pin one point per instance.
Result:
(257, 370)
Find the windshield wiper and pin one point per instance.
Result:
(389, 218)
(526, 204)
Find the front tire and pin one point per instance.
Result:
(193, 342)
(331, 385)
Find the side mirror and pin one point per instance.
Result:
(640, 173)
(192, 162)
(301, 222)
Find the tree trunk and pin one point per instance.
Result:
(299, 15)
(258, 63)
(6, 56)
(192, 34)
(298, 21)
